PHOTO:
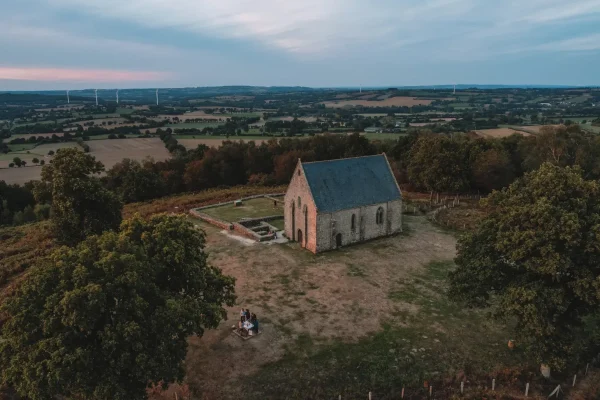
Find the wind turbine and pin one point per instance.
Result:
(156, 96)
(96, 93)
(117, 96)
(68, 100)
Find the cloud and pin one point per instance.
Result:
(78, 75)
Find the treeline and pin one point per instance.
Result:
(423, 161)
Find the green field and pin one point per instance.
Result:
(254, 208)
(197, 125)
(223, 137)
(384, 136)
(21, 147)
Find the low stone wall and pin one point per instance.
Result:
(257, 196)
(241, 228)
(252, 222)
(243, 231)
(212, 220)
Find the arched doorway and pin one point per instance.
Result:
(299, 238)
(338, 240)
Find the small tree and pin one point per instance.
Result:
(81, 206)
(51, 153)
(17, 161)
(11, 165)
(35, 160)
(42, 162)
(28, 214)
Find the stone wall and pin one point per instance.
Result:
(239, 228)
(329, 225)
(300, 217)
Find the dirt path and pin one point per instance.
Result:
(337, 295)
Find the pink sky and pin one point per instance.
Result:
(88, 75)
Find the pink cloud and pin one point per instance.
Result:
(86, 75)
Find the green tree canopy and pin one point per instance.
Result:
(438, 163)
(536, 258)
(106, 318)
(134, 181)
(81, 206)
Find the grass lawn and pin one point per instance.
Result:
(370, 317)
(254, 208)
(278, 223)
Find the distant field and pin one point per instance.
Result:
(399, 101)
(193, 143)
(499, 132)
(20, 175)
(196, 125)
(28, 135)
(110, 152)
(383, 136)
(40, 152)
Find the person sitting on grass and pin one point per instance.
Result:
(254, 322)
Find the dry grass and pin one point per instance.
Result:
(21, 247)
(183, 203)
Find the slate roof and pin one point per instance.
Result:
(351, 182)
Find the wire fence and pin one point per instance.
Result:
(494, 388)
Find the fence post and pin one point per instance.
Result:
(493, 385)
(574, 379)
(402, 393)
(462, 387)
(369, 395)
(430, 390)
(586, 368)
(527, 390)
(340, 397)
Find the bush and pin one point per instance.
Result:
(112, 136)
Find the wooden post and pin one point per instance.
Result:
(402, 396)
(493, 385)
(586, 368)
(574, 379)
(527, 390)
(462, 387)
(176, 398)
(430, 390)
(369, 395)
(340, 397)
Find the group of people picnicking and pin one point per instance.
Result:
(248, 324)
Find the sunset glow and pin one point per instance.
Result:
(87, 75)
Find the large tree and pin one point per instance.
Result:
(536, 259)
(105, 319)
(81, 206)
(134, 181)
(438, 163)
